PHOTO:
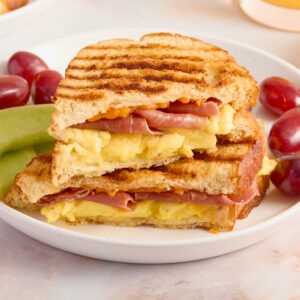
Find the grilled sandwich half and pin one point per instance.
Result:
(139, 104)
(210, 191)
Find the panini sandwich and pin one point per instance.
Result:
(138, 104)
(151, 132)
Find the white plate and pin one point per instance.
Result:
(12, 20)
(151, 245)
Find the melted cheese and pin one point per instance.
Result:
(168, 211)
(95, 147)
(125, 111)
(113, 113)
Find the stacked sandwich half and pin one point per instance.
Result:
(153, 132)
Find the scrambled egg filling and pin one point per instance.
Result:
(268, 166)
(166, 211)
(95, 147)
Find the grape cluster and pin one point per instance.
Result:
(283, 98)
(28, 72)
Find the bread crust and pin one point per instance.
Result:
(160, 68)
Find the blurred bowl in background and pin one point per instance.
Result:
(11, 21)
(278, 14)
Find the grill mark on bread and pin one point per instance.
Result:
(218, 158)
(157, 56)
(118, 175)
(127, 56)
(236, 72)
(140, 65)
(85, 96)
(139, 62)
(116, 87)
(130, 46)
(190, 56)
(230, 143)
(92, 80)
(208, 48)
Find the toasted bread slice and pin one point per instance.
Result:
(160, 68)
(35, 182)
(68, 163)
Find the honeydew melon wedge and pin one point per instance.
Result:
(11, 163)
(24, 126)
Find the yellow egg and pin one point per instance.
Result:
(168, 211)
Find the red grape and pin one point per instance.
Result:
(26, 65)
(286, 177)
(279, 95)
(284, 138)
(14, 91)
(44, 86)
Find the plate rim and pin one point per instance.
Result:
(271, 221)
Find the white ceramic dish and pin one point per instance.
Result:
(150, 245)
(17, 18)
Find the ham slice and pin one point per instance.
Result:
(69, 193)
(202, 198)
(127, 200)
(177, 115)
(209, 108)
(160, 119)
(141, 121)
(120, 199)
(247, 196)
(190, 197)
(129, 124)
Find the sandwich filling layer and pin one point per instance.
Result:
(150, 209)
(210, 107)
(127, 203)
(97, 146)
(175, 115)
